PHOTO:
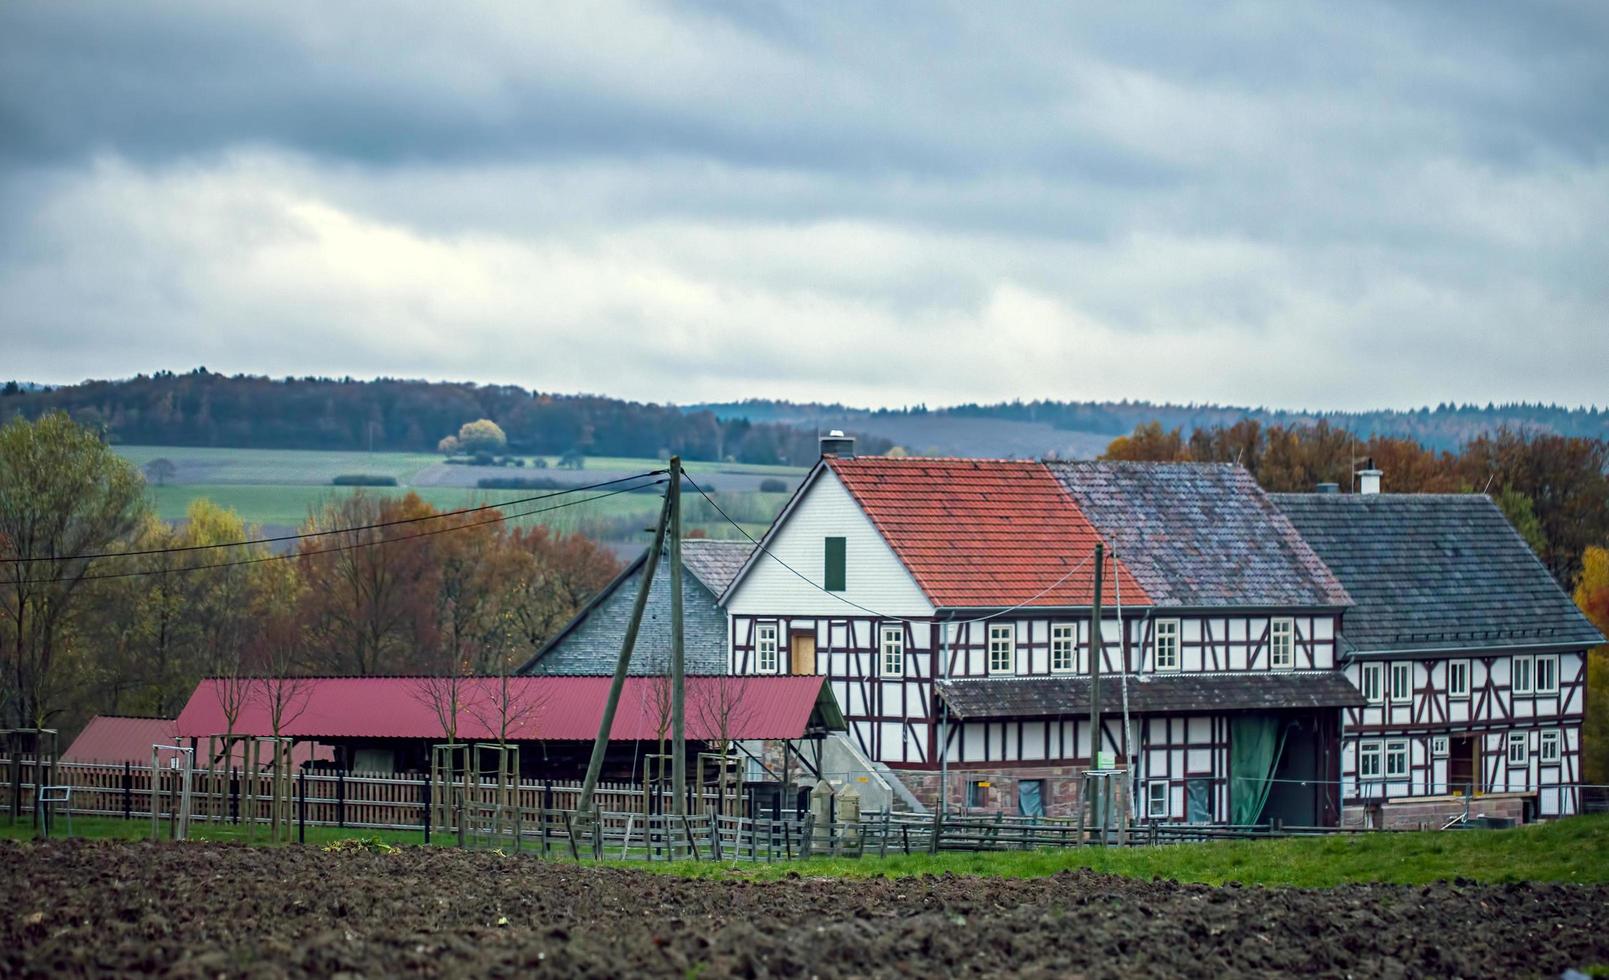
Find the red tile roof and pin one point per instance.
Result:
(554, 707)
(980, 533)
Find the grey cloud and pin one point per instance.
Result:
(1415, 190)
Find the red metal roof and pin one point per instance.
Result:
(115, 739)
(983, 533)
(111, 738)
(543, 707)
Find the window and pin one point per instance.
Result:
(1167, 644)
(893, 647)
(766, 660)
(1368, 760)
(1002, 649)
(977, 793)
(1396, 759)
(1458, 679)
(1548, 748)
(1373, 693)
(1518, 751)
(1282, 644)
(1156, 798)
(1401, 683)
(1438, 746)
(1547, 674)
(1061, 648)
(833, 580)
(1522, 675)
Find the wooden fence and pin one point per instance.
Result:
(625, 824)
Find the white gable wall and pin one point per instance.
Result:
(875, 577)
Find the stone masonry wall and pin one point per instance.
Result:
(1432, 812)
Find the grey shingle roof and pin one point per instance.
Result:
(1038, 697)
(716, 563)
(1200, 534)
(1435, 571)
(590, 643)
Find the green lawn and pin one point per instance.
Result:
(1575, 850)
(111, 828)
(1572, 850)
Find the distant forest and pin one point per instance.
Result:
(202, 408)
(1444, 427)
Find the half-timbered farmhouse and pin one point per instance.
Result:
(1470, 658)
(949, 604)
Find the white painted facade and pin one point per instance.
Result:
(1442, 725)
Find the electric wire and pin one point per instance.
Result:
(518, 501)
(893, 619)
(290, 556)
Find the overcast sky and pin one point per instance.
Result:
(1327, 206)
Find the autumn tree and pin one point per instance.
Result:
(482, 436)
(1592, 596)
(63, 495)
(1148, 442)
(548, 576)
(367, 606)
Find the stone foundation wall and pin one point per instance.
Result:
(1432, 812)
(1060, 794)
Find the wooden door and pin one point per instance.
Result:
(1463, 764)
(804, 653)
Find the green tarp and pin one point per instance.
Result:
(1255, 744)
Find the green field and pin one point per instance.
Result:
(281, 487)
(291, 504)
(1573, 851)
(264, 467)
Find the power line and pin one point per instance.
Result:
(897, 619)
(333, 550)
(339, 530)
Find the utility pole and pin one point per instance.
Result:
(1095, 653)
(601, 744)
(678, 667)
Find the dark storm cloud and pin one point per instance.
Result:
(1403, 198)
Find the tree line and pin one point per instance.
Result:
(107, 609)
(201, 408)
(1554, 489)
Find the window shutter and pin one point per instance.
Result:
(834, 579)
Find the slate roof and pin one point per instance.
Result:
(716, 563)
(1200, 535)
(1045, 696)
(1435, 571)
(979, 533)
(590, 643)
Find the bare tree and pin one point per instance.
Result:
(720, 711)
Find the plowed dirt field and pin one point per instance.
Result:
(75, 908)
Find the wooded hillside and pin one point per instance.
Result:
(201, 408)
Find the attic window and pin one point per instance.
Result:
(833, 580)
